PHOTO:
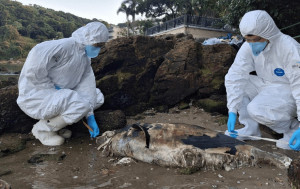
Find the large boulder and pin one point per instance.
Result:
(179, 75)
(140, 72)
(126, 69)
(12, 118)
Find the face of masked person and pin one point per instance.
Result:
(92, 51)
(257, 44)
(258, 47)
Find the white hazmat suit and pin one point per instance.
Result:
(271, 98)
(63, 64)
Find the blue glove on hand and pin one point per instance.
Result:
(92, 123)
(295, 140)
(57, 87)
(231, 124)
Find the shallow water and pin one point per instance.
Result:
(12, 68)
(13, 71)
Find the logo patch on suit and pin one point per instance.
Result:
(279, 72)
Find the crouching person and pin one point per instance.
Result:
(57, 84)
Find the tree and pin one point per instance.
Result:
(129, 7)
(284, 13)
(125, 10)
(8, 33)
(142, 25)
(4, 14)
(167, 9)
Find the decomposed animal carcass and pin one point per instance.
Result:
(184, 145)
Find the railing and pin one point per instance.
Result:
(187, 20)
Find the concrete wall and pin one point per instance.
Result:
(204, 33)
(195, 31)
(114, 32)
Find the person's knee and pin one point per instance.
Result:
(259, 114)
(75, 108)
(99, 99)
(252, 110)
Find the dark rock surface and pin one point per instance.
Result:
(294, 173)
(139, 73)
(12, 118)
(9, 82)
(107, 120)
(12, 143)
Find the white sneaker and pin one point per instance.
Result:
(244, 132)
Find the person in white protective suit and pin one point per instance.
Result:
(57, 84)
(272, 97)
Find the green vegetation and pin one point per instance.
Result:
(210, 105)
(21, 27)
(284, 13)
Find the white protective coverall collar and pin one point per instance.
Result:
(274, 94)
(61, 63)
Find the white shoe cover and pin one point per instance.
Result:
(45, 131)
(66, 133)
(47, 138)
(283, 143)
(246, 132)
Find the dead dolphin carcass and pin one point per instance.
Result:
(183, 145)
(4, 185)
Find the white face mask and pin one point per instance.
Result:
(258, 47)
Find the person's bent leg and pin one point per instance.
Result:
(251, 127)
(55, 111)
(99, 100)
(275, 107)
(45, 131)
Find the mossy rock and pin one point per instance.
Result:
(162, 109)
(12, 143)
(136, 109)
(183, 106)
(212, 106)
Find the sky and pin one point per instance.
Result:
(100, 9)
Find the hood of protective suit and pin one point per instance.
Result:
(94, 32)
(259, 23)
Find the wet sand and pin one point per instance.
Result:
(77, 164)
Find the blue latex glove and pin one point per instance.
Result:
(295, 140)
(231, 123)
(57, 87)
(92, 123)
